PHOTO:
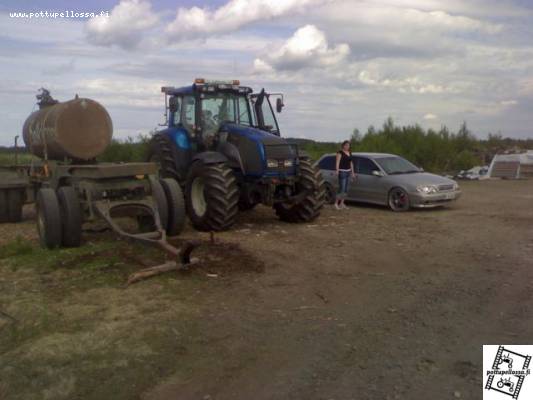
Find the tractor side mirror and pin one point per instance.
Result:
(173, 104)
(279, 104)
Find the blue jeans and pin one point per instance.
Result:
(344, 179)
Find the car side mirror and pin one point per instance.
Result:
(279, 104)
(377, 173)
(421, 169)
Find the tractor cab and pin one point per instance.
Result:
(220, 131)
(207, 107)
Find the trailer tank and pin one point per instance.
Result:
(78, 129)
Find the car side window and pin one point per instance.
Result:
(328, 163)
(365, 166)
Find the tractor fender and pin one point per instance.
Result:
(210, 157)
(232, 153)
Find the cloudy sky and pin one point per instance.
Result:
(342, 64)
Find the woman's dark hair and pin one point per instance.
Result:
(345, 143)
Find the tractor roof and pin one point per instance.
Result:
(202, 85)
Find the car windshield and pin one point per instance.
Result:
(396, 165)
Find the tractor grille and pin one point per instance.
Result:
(281, 151)
(445, 188)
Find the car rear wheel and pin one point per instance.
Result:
(399, 200)
(329, 194)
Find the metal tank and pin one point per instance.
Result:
(79, 129)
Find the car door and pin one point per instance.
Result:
(327, 168)
(367, 187)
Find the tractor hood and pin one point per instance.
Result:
(254, 134)
(253, 149)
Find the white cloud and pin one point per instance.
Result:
(125, 25)
(508, 102)
(412, 84)
(430, 117)
(307, 47)
(198, 22)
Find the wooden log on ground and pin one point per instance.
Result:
(157, 270)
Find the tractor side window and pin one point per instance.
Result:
(188, 113)
(268, 115)
(176, 114)
(244, 113)
(365, 166)
(327, 163)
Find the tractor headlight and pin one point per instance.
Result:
(272, 163)
(288, 163)
(427, 189)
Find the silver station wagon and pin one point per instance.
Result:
(390, 180)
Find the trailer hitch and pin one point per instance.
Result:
(180, 257)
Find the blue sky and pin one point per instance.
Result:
(342, 64)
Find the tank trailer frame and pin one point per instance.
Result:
(70, 193)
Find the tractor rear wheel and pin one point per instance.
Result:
(212, 196)
(48, 218)
(309, 207)
(161, 151)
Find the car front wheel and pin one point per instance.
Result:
(399, 200)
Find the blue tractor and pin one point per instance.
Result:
(222, 144)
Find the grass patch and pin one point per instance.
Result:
(18, 247)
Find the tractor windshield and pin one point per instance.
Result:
(218, 108)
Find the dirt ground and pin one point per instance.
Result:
(361, 304)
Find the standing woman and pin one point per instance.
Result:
(345, 170)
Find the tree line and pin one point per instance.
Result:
(441, 151)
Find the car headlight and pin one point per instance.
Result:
(456, 186)
(272, 163)
(427, 189)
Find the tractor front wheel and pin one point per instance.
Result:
(308, 209)
(212, 196)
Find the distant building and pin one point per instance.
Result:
(512, 166)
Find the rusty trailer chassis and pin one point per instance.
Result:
(106, 192)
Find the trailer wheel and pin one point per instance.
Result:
(212, 197)
(309, 208)
(48, 218)
(4, 214)
(15, 201)
(71, 218)
(176, 206)
(147, 222)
